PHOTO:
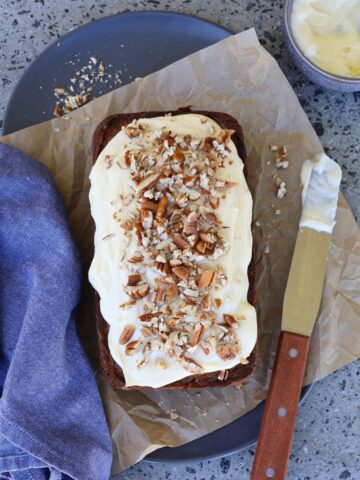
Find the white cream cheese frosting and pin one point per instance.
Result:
(112, 198)
(320, 181)
(328, 33)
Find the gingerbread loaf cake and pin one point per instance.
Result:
(173, 268)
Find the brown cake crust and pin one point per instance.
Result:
(112, 372)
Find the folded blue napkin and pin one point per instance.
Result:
(52, 424)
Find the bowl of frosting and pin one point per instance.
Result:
(323, 37)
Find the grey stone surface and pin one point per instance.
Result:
(327, 437)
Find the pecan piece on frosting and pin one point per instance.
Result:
(206, 279)
(190, 365)
(137, 291)
(214, 202)
(227, 351)
(147, 182)
(224, 185)
(191, 224)
(137, 257)
(128, 304)
(198, 331)
(148, 205)
(181, 272)
(134, 279)
(161, 208)
(146, 218)
(126, 334)
(132, 347)
(179, 241)
(163, 267)
(147, 317)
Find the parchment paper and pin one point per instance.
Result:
(239, 77)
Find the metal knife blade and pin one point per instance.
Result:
(305, 283)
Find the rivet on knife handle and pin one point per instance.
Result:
(275, 439)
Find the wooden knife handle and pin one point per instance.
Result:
(279, 418)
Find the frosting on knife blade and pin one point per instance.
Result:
(320, 180)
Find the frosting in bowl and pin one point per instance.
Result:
(328, 33)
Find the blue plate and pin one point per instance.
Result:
(138, 44)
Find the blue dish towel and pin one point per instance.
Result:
(52, 424)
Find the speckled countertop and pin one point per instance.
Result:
(327, 439)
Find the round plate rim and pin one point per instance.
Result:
(225, 453)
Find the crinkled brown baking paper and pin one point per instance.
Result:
(239, 77)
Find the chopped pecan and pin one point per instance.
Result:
(133, 130)
(147, 182)
(201, 246)
(193, 194)
(128, 225)
(227, 351)
(174, 415)
(189, 292)
(206, 302)
(138, 231)
(132, 347)
(161, 208)
(172, 292)
(128, 304)
(148, 205)
(205, 349)
(283, 150)
(175, 217)
(147, 317)
(160, 295)
(181, 272)
(163, 267)
(137, 291)
(134, 279)
(178, 155)
(208, 237)
(223, 185)
(60, 91)
(225, 135)
(160, 362)
(179, 241)
(166, 170)
(126, 334)
(214, 202)
(58, 110)
(146, 218)
(207, 144)
(198, 331)
(218, 302)
(190, 365)
(231, 320)
(127, 157)
(147, 332)
(210, 218)
(191, 224)
(181, 200)
(206, 279)
(189, 180)
(273, 147)
(143, 361)
(223, 375)
(136, 258)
